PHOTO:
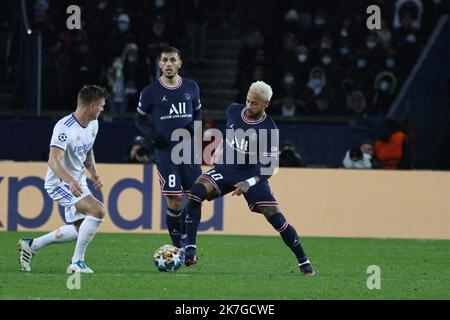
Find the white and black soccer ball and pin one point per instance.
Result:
(168, 258)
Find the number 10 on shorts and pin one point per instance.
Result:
(214, 175)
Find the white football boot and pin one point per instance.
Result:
(25, 254)
(79, 266)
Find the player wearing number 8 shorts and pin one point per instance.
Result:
(243, 168)
(173, 103)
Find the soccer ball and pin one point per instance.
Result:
(168, 258)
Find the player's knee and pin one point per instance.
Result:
(99, 211)
(211, 191)
(175, 202)
(198, 192)
(269, 211)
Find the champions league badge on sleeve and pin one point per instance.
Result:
(62, 137)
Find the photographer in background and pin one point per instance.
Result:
(289, 156)
(138, 151)
(356, 159)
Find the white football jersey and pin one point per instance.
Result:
(76, 141)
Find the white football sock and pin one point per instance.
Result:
(88, 229)
(63, 234)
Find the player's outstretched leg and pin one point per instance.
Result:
(29, 247)
(193, 215)
(88, 228)
(291, 239)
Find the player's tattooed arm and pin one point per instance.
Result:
(56, 164)
(89, 163)
(243, 186)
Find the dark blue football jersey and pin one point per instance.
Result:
(249, 145)
(170, 109)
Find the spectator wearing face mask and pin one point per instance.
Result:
(288, 83)
(333, 74)
(321, 95)
(289, 106)
(330, 66)
(319, 23)
(383, 94)
(133, 76)
(361, 72)
(121, 35)
(407, 41)
(302, 65)
(344, 54)
(375, 52)
(391, 64)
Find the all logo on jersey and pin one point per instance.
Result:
(240, 145)
(62, 137)
(177, 111)
(180, 109)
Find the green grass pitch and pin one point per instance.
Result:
(232, 267)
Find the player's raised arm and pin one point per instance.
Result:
(55, 163)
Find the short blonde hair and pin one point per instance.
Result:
(262, 88)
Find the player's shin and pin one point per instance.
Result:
(174, 222)
(65, 233)
(193, 212)
(88, 229)
(289, 235)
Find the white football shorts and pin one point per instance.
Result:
(61, 194)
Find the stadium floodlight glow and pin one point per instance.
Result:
(29, 31)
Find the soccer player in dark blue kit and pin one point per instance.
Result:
(245, 177)
(173, 102)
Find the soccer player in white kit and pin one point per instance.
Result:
(71, 151)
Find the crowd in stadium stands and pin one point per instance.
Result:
(117, 45)
(323, 59)
(318, 55)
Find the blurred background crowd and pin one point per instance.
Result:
(319, 56)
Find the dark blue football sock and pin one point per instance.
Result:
(174, 223)
(289, 235)
(193, 212)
